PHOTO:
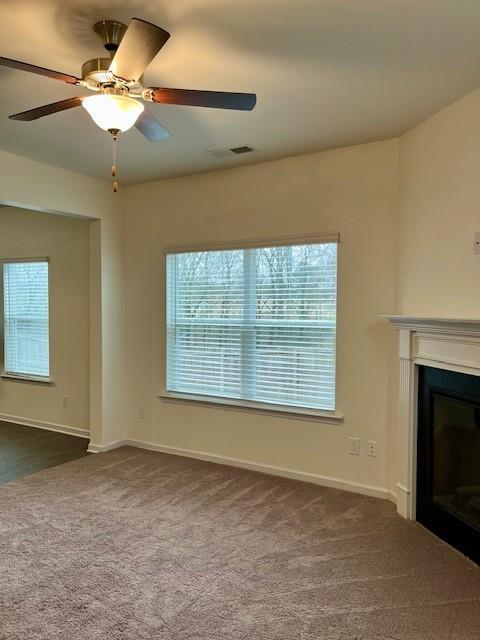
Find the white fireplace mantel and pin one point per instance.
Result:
(444, 343)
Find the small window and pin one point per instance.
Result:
(25, 316)
(254, 324)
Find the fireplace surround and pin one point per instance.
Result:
(426, 348)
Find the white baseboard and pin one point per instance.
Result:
(392, 496)
(313, 478)
(103, 448)
(49, 426)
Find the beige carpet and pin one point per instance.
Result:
(140, 545)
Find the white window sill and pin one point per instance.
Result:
(21, 377)
(249, 405)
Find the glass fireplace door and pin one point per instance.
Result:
(448, 457)
(456, 455)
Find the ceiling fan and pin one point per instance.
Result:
(117, 82)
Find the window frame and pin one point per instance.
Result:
(322, 415)
(25, 377)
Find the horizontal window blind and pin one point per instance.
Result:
(25, 305)
(254, 324)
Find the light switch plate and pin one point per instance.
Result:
(354, 446)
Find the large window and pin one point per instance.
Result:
(256, 324)
(25, 315)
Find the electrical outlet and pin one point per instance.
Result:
(476, 243)
(372, 448)
(354, 446)
(141, 412)
(64, 402)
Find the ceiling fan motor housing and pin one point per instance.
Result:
(111, 32)
(96, 72)
(96, 75)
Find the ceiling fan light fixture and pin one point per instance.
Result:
(113, 112)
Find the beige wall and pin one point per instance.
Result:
(39, 187)
(65, 241)
(438, 274)
(352, 191)
(409, 205)
(439, 211)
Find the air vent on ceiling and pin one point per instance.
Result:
(244, 149)
(234, 151)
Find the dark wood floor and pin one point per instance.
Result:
(26, 450)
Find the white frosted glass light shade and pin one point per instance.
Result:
(113, 112)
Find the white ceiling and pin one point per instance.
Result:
(327, 73)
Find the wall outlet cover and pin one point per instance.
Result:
(476, 243)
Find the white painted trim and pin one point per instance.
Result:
(452, 344)
(103, 448)
(456, 326)
(23, 377)
(17, 260)
(401, 487)
(279, 241)
(250, 405)
(48, 426)
(312, 478)
(392, 496)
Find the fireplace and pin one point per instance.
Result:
(448, 457)
(436, 449)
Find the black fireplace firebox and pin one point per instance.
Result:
(448, 457)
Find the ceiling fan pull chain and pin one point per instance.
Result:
(114, 133)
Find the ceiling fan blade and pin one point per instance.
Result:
(47, 109)
(138, 47)
(213, 99)
(24, 66)
(151, 128)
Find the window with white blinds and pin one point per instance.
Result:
(254, 324)
(25, 314)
